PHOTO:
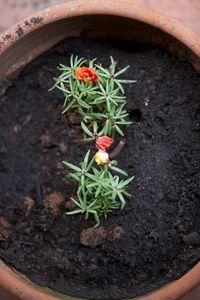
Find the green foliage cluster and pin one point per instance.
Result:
(102, 107)
(101, 103)
(99, 191)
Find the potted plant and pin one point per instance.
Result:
(155, 239)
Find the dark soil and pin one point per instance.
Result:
(156, 238)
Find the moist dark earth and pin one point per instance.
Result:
(160, 225)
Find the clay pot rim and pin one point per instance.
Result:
(126, 8)
(11, 280)
(20, 286)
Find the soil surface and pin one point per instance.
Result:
(156, 238)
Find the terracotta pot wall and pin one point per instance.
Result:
(118, 20)
(125, 21)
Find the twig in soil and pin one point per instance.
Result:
(118, 149)
(25, 243)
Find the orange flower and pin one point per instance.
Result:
(104, 142)
(87, 74)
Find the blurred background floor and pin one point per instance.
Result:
(185, 11)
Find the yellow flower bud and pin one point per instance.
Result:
(101, 157)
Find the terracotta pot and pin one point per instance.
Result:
(119, 20)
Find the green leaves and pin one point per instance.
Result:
(112, 75)
(99, 191)
(86, 130)
(101, 102)
(73, 167)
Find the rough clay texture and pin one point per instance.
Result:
(160, 223)
(186, 11)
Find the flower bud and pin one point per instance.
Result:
(101, 157)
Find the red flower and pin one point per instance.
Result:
(104, 142)
(87, 74)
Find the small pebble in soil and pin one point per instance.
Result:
(17, 128)
(93, 237)
(70, 205)
(50, 211)
(116, 233)
(52, 203)
(46, 139)
(192, 238)
(28, 203)
(60, 166)
(5, 228)
(62, 148)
